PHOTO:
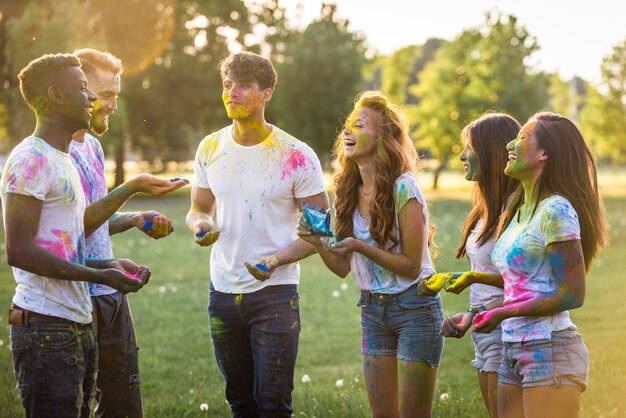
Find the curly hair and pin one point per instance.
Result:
(91, 60)
(569, 171)
(395, 154)
(488, 136)
(40, 74)
(248, 67)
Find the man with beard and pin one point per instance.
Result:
(118, 393)
(52, 339)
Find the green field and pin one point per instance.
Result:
(179, 373)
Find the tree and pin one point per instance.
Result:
(603, 118)
(318, 80)
(484, 68)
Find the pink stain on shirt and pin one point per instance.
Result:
(295, 160)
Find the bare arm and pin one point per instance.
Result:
(101, 211)
(22, 223)
(409, 261)
(568, 270)
(151, 223)
(200, 216)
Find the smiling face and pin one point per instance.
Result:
(470, 163)
(243, 100)
(77, 100)
(360, 135)
(526, 157)
(106, 85)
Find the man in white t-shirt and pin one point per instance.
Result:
(52, 340)
(118, 383)
(254, 177)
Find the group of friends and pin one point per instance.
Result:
(536, 224)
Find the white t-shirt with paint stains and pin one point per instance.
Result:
(522, 258)
(88, 158)
(370, 276)
(480, 260)
(37, 169)
(255, 188)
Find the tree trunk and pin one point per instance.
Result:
(442, 166)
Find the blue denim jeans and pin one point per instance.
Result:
(255, 338)
(55, 366)
(403, 325)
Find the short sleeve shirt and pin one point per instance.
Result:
(37, 169)
(370, 276)
(88, 158)
(255, 189)
(480, 260)
(522, 258)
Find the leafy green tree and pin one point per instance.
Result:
(484, 68)
(318, 80)
(603, 118)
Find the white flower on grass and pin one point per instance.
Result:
(356, 379)
(339, 383)
(204, 406)
(336, 293)
(444, 397)
(344, 286)
(306, 378)
(173, 289)
(1, 343)
(162, 289)
(191, 391)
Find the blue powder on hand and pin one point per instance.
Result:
(262, 266)
(201, 234)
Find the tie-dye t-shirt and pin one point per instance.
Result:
(480, 260)
(88, 158)
(255, 189)
(522, 258)
(370, 276)
(39, 170)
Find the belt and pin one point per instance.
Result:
(379, 297)
(23, 318)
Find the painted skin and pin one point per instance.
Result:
(470, 163)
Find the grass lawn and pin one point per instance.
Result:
(179, 373)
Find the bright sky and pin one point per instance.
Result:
(573, 35)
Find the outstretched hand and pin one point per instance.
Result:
(433, 284)
(154, 186)
(456, 325)
(263, 269)
(487, 321)
(460, 283)
(154, 224)
(205, 234)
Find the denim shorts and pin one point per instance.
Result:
(404, 325)
(562, 360)
(488, 351)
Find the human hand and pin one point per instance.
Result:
(433, 284)
(487, 321)
(461, 281)
(456, 325)
(305, 232)
(153, 224)
(119, 280)
(344, 247)
(263, 269)
(154, 186)
(205, 233)
(132, 270)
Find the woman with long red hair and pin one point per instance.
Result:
(383, 232)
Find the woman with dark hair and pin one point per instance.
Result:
(550, 232)
(484, 159)
(382, 225)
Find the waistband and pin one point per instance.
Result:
(24, 318)
(371, 297)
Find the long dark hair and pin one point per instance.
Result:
(488, 136)
(569, 171)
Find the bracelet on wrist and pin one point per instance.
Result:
(476, 309)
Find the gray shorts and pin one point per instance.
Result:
(563, 360)
(488, 351)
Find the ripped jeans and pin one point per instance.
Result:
(55, 368)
